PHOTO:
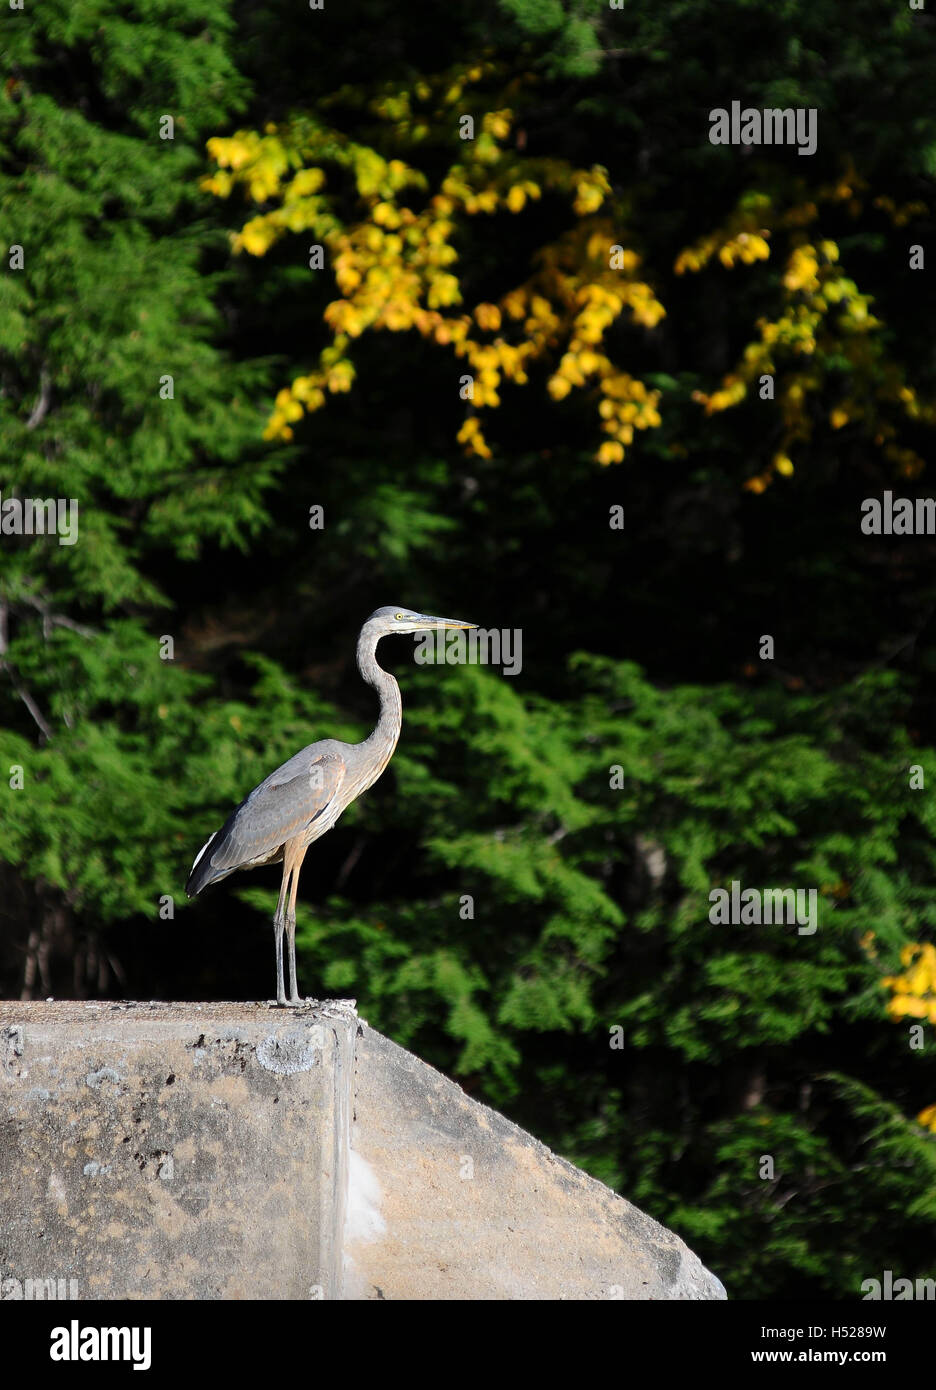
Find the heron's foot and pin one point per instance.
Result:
(279, 979)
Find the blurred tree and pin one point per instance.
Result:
(114, 396)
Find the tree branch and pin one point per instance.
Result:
(50, 619)
(17, 685)
(42, 404)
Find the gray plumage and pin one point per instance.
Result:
(284, 805)
(302, 800)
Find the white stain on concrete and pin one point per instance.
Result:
(363, 1220)
(97, 1170)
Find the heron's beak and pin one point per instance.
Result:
(446, 622)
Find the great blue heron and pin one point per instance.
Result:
(301, 800)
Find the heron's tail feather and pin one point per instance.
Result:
(203, 871)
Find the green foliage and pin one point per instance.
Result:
(572, 47)
(113, 296)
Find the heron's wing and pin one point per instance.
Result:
(284, 805)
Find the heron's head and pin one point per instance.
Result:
(386, 621)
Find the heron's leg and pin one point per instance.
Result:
(291, 926)
(291, 937)
(278, 922)
(280, 987)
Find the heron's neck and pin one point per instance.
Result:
(384, 738)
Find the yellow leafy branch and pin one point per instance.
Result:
(825, 317)
(914, 996)
(394, 267)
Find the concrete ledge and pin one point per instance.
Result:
(240, 1151)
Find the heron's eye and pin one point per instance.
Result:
(401, 615)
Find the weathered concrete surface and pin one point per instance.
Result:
(242, 1151)
(473, 1207)
(173, 1151)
